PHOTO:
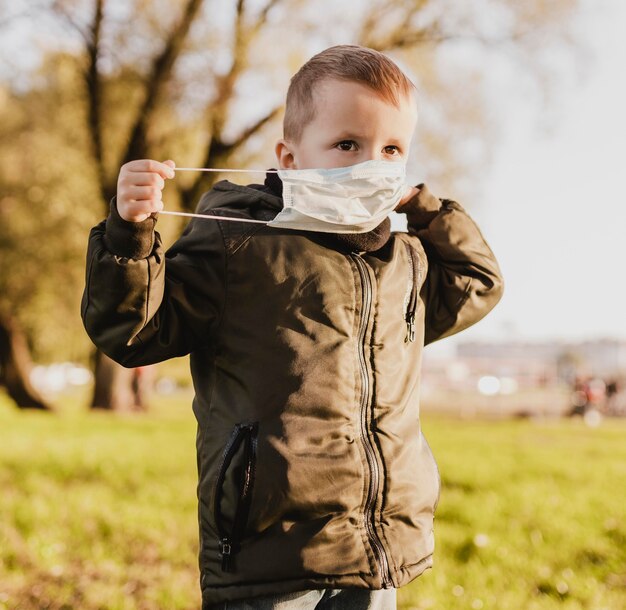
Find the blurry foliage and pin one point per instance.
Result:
(218, 101)
(45, 180)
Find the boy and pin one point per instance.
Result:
(316, 486)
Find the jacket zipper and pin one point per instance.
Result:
(243, 434)
(416, 278)
(374, 481)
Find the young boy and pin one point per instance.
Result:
(316, 486)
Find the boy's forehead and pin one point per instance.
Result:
(332, 86)
(352, 102)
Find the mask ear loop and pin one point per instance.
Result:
(234, 171)
(213, 216)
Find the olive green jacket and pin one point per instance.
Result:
(313, 471)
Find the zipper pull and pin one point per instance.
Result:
(410, 327)
(226, 550)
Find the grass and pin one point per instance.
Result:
(98, 511)
(532, 516)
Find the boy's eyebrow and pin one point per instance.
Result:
(349, 135)
(346, 135)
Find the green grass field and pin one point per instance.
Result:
(98, 511)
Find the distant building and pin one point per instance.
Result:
(547, 361)
(517, 365)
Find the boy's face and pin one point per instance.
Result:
(352, 124)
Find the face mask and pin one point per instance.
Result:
(353, 199)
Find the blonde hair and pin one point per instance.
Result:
(341, 62)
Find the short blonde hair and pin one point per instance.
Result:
(341, 62)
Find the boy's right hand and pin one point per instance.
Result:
(140, 188)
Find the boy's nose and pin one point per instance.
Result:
(372, 155)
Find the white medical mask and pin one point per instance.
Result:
(353, 199)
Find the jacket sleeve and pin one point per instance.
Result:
(142, 306)
(463, 283)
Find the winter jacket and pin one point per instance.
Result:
(313, 470)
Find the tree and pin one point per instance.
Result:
(15, 366)
(43, 175)
(184, 79)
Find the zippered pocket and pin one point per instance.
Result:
(415, 279)
(237, 472)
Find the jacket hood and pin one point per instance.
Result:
(225, 194)
(264, 201)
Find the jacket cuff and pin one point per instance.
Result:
(128, 239)
(421, 209)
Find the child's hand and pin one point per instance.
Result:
(410, 193)
(140, 188)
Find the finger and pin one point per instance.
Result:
(149, 165)
(170, 163)
(142, 193)
(142, 179)
(147, 207)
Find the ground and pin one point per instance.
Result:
(99, 512)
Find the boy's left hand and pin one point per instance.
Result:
(411, 192)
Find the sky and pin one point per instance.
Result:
(554, 203)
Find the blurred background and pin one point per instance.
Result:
(521, 120)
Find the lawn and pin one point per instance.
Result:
(98, 511)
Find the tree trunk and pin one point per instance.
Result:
(16, 365)
(117, 388)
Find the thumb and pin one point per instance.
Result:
(171, 164)
(411, 192)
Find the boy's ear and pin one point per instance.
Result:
(284, 155)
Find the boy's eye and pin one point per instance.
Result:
(391, 150)
(347, 145)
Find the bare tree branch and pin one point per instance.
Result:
(402, 38)
(226, 82)
(69, 19)
(436, 36)
(218, 150)
(158, 79)
(405, 34)
(218, 109)
(94, 96)
(217, 153)
(262, 18)
(252, 129)
(373, 18)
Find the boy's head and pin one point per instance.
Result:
(346, 105)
